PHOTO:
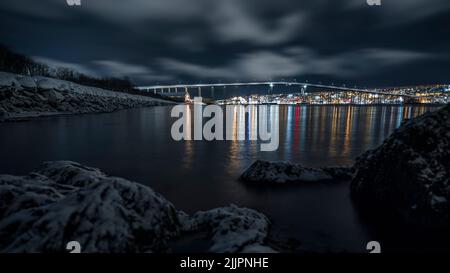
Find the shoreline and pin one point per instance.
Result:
(41, 115)
(25, 98)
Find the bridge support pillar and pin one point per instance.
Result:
(200, 92)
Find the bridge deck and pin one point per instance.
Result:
(206, 85)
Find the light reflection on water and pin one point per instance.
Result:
(315, 135)
(198, 175)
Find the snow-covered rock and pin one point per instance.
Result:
(46, 84)
(64, 201)
(8, 80)
(285, 172)
(258, 248)
(232, 228)
(27, 83)
(409, 173)
(8, 85)
(46, 96)
(53, 96)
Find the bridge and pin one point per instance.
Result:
(167, 89)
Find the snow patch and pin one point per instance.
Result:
(232, 228)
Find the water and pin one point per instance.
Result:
(199, 175)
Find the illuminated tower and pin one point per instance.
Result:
(303, 90)
(187, 97)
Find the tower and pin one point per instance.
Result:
(187, 97)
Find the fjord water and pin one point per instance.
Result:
(198, 175)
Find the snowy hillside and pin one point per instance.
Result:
(23, 96)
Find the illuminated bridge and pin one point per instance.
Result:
(176, 88)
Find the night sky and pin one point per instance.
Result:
(402, 42)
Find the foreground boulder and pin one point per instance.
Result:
(409, 173)
(284, 172)
(232, 229)
(64, 201)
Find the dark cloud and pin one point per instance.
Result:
(401, 42)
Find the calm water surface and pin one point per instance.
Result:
(199, 175)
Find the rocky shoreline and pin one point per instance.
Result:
(65, 201)
(23, 97)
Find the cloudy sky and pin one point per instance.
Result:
(400, 42)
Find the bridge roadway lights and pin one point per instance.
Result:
(160, 88)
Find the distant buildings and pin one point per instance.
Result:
(437, 94)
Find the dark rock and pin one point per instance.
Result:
(232, 229)
(409, 173)
(53, 96)
(285, 172)
(65, 201)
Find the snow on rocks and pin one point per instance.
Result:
(27, 84)
(45, 84)
(285, 172)
(258, 248)
(65, 201)
(409, 173)
(8, 82)
(233, 229)
(23, 96)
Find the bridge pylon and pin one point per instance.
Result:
(187, 96)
